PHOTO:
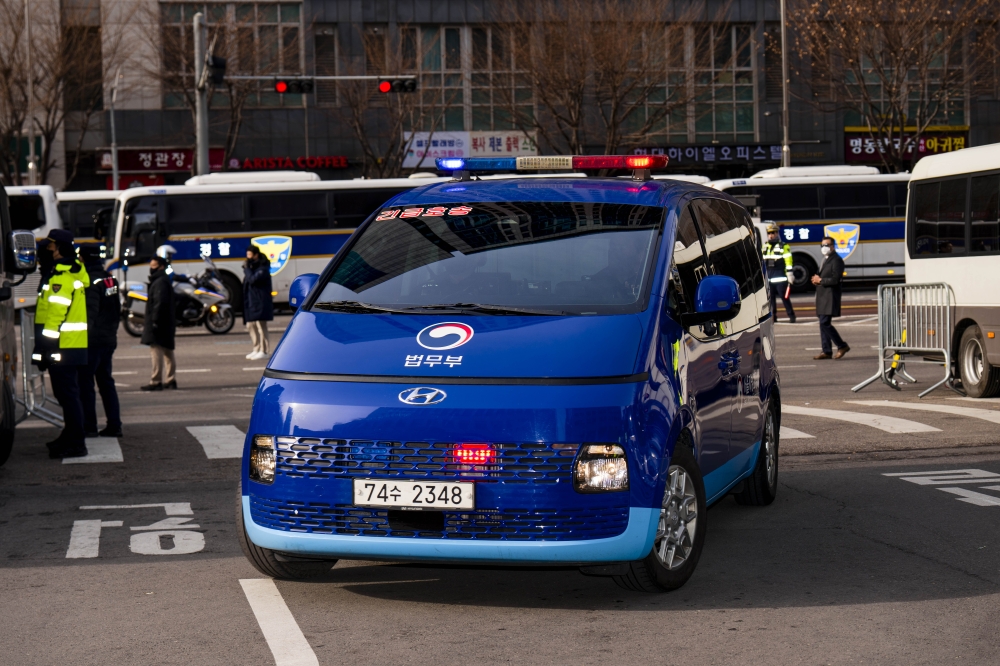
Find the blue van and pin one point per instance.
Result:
(562, 371)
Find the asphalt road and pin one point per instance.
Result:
(865, 557)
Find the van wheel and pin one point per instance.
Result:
(266, 561)
(803, 268)
(680, 534)
(980, 378)
(7, 424)
(761, 487)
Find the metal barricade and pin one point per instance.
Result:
(913, 319)
(34, 398)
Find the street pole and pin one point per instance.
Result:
(786, 149)
(114, 138)
(32, 166)
(305, 116)
(201, 97)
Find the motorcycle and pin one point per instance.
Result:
(200, 300)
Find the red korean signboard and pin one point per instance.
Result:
(861, 148)
(159, 160)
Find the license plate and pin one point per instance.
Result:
(415, 494)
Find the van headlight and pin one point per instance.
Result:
(600, 468)
(262, 459)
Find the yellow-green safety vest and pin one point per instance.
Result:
(62, 306)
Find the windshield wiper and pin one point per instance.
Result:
(481, 308)
(356, 307)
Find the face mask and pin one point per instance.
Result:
(826, 250)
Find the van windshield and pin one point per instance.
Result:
(499, 258)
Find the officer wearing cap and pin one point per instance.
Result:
(103, 315)
(61, 339)
(778, 260)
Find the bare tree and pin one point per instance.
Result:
(385, 123)
(13, 89)
(899, 65)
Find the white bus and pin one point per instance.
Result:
(953, 236)
(78, 212)
(861, 209)
(298, 220)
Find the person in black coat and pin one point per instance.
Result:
(159, 326)
(258, 308)
(104, 310)
(827, 282)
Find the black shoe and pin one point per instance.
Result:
(791, 320)
(65, 452)
(151, 387)
(54, 444)
(91, 433)
(111, 432)
(172, 384)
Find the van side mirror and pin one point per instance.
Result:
(717, 299)
(25, 252)
(299, 291)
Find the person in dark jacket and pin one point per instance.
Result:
(159, 326)
(258, 308)
(103, 314)
(831, 274)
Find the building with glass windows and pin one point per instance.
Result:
(721, 80)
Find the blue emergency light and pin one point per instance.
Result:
(477, 163)
(554, 162)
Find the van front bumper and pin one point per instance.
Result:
(633, 544)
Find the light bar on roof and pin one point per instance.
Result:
(552, 162)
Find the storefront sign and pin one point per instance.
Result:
(861, 148)
(300, 163)
(427, 147)
(715, 153)
(159, 160)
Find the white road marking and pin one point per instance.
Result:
(194, 370)
(124, 372)
(972, 497)
(982, 401)
(223, 441)
(184, 542)
(786, 367)
(170, 508)
(131, 358)
(794, 335)
(862, 322)
(884, 423)
(258, 368)
(232, 354)
(99, 450)
(792, 433)
(281, 631)
(944, 478)
(993, 416)
(85, 539)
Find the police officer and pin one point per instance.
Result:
(103, 314)
(778, 259)
(61, 342)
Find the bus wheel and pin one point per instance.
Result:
(7, 424)
(271, 563)
(803, 268)
(234, 291)
(979, 377)
(680, 534)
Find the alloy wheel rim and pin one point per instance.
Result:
(678, 520)
(974, 361)
(770, 451)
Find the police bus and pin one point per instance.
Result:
(953, 236)
(860, 208)
(87, 214)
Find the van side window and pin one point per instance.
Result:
(688, 267)
(750, 248)
(724, 236)
(938, 218)
(984, 215)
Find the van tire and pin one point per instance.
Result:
(650, 574)
(980, 378)
(761, 487)
(803, 268)
(7, 425)
(265, 560)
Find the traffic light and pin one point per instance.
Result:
(293, 86)
(397, 85)
(216, 69)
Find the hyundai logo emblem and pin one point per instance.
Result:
(422, 395)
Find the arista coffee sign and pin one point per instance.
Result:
(272, 163)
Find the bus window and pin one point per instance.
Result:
(845, 202)
(288, 210)
(898, 199)
(139, 212)
(939, 218)
(789, 203)
(352, 207)
(984, 214)
(78, 216)
(27, 212)
(204, 214)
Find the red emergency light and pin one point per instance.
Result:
(472, 453)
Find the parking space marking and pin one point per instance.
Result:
(99, 450)
(282, 633)
(888, 424)
(792, 433)
(223, 441)
(991, 415)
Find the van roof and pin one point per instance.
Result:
(969, 160)
(87, 195)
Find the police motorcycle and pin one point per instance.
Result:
(200, 299)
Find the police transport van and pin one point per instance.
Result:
(560, 371)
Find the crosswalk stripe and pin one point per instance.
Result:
(99, 450)
(792, 433)
(222, 441)
(885, 423)
(284, 637)
(991, 415)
